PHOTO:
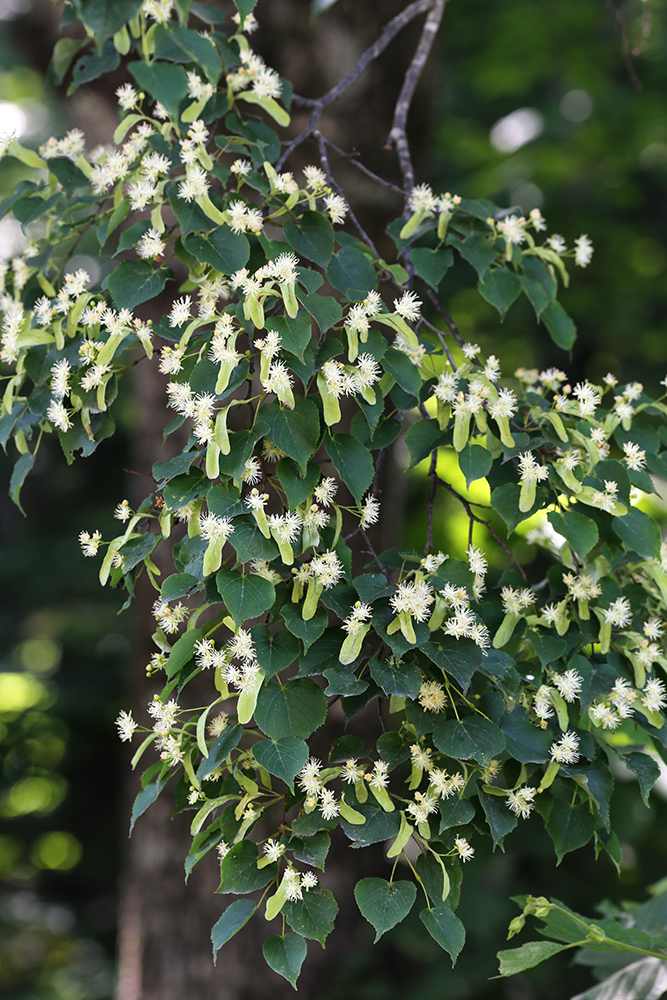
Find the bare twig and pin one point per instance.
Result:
(474, 519)
(371, 552)
(443, 342)
(324, 159)
(432, 297)
(398, 135)
(353, 158)
(431, 501)
(318, 105)
(625, 46)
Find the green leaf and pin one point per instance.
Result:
(308, 631)
(104, 19)
(525, 742)
(146, 798)
(536, 294)
(274, 651)
(499, 818)
(312, 236)
(640, 532)
(295, 709)
(455, 812)
(19, 474)
(221, 748)
(569, 827)
(93, 64)
(324, 309)
(245, 596)
(580, 532)
(224, 250)
(314, 915)
(458, 657)
(184, 45)
(245, 7)
(431, 265)
(167, 83)
(190, 217)
(643, 980)
(379, 825)
(561, 328)
(384, 904)
(285, 955)
(501, 288)
(646, 769)
(351, 270)
(239, 873)
(182, 651)
(230, 923)
(134, 282)
(473, 737)
(178, 585)
(249, 543)
(131, 236)
(478, 251)
(403, 371)
(446, 929)
(297, 488)
(69, 176)
(475, 463)
(352, 461)
(296, 334)
(400, 679)
(311, 850)
(423, 437)
(283, 758)
(527, 956)
(296, 432)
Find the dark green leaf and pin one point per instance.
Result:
(296, 334)
(646, 769)
(561, 328)
(384, 904)
(445, 928)
(146, 798)
(295, 709)
(403, 371)
(230, 923)
(93, 64)
(225, 501)
(182, 651)
(274, 651)
(314, 915)
(458, 657)
(105, 19)
(190, 217)
(379, 825)
(501, 288)
(312, 236)
(307, 631)
(640, 532)
(431, 265)
(569, 827)
(477, 250)
(324, 309)
(351, 270)
(455, 812)
(473, 737)
(580, 532)
(134, 282)
(352, 461)
(475, 463)
(178, 585)
(296, 432)
(222, 249)
(297, 488)
(175, 467)
(283, 758)
(239, 873)
(400, 679)
(525, 742)
(245, 7)
(249, 543)
(167, 83)
(423, 437)
(131, 236)
(311, 850)
(19, 474)
(68, 174)
(285, 955)
(221, 747)
(184, 45)
(392, 749)
(245, 596)
(499, 818)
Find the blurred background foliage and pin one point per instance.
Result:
(529, 103)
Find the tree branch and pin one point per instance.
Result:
(398, 135)
(386, 36)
